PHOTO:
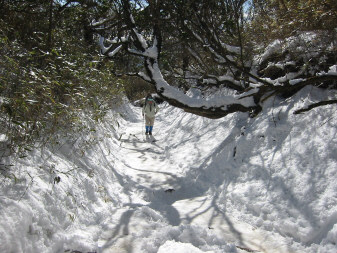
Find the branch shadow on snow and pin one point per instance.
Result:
(195, 184)
(277, 170)
(211, 175)
(136, 142)
(231, 164)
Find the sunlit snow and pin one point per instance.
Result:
(266, 184)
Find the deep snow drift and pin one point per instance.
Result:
(238, 184)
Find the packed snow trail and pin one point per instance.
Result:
(165, 184)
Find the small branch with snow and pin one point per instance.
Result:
(312, 106)
(109, 51)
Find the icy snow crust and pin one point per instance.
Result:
(266, 184)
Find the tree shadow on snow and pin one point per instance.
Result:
(230, 164)
(195, 184)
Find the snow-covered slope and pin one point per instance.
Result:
(237, 184)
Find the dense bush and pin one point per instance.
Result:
(44, 92)
(279, 19)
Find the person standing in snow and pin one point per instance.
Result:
(150, 110)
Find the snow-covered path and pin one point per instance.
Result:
(235, 184)
(158, 174)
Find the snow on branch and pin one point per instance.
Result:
(312, 106)
(315, 80)
(109, 51)
(248, 84)
(212, 108)
(225, 54)
(149, 52)
(100, 23)
(228, 80)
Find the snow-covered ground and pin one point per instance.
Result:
(235, 184)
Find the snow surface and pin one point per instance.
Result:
(266, 184)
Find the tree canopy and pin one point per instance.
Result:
(224, 45)
(62, 57)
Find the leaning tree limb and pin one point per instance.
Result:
(242, 98)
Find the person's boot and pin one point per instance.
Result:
(147, 130)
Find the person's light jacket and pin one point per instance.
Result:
(150, 110)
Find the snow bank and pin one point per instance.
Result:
(178, 247)
(276, 172)
(103, 190)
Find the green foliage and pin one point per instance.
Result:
(44, 91)
(279, 19)
(136, 88)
